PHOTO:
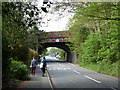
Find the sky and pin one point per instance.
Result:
(56, 25)
(55, 22)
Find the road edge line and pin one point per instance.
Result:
(50, 80)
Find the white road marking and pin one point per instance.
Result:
(64, 68)
(76, 71)
(61, 65)
(67, 67)
(92, 79)
(58, 68)
(49, 81)
(70, 63)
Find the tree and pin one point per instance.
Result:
(17, 19)
(101, 19)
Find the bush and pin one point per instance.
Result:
(99, 46)
(19, 70)
(90, 48)
(26, 57)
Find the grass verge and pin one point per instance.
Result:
(104, 67)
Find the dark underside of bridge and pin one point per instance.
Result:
(61, 45)
(71, 57)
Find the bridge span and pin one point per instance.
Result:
(59, 40)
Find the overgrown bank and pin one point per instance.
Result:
(104, 68)
(96, 36)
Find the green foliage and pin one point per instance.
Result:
(62, 54)
(18, 19)
(52, 51)
(105, 68)
(19, 32)
(89, 49)
(5, 61)
(19, 70)
(19, 26)
(35, 37)
(18, 55)
(78, 37)
(57, 51)
(43, 52)
(100, 45)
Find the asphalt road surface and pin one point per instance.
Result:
(66, 75)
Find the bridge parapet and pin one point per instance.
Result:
(52, 37)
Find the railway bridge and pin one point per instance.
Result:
(60, 40)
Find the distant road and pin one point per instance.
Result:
(67, 75)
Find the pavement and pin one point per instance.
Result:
(37, 81)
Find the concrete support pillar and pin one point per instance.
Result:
(74, 57)
(71, 57)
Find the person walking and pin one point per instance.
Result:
(43, 68)
(33, 66)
